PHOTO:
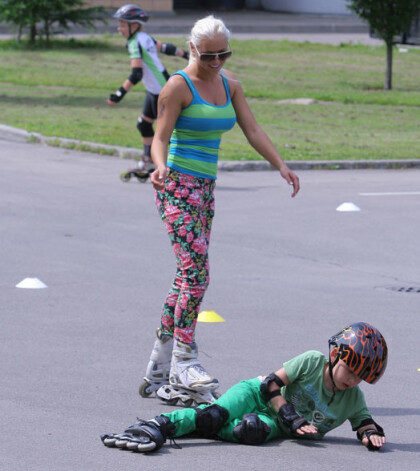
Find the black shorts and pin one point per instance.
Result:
(150, 106)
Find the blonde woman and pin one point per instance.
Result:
(196, 106)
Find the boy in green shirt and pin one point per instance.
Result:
(306, 398)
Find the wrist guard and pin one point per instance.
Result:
(186, 55)
(118, 95)
(267, 395)
(290, 418)
(368, 434)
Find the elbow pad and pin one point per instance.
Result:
(267, 395)
(136, 75)
(169, 49)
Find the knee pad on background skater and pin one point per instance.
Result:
(145, 128)
(252, 430)
(210, 420)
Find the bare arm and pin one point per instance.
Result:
(257, 137)
(279, 401)
(172, 98)
(136, 64)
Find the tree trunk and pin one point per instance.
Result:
(388, 75)
(19, 34)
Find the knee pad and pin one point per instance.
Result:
(210, 420)
(252, 430)
(145, 128)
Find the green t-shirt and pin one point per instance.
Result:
(307, 392)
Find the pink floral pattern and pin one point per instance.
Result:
(186, 205)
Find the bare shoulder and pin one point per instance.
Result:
(176, 89)
(234, 83)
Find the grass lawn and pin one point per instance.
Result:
(62, 92)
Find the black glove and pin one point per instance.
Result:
(290, 418)
(368, 434)
(118, 95)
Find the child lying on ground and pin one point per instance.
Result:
(306, 398)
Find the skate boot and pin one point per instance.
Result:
(157, 371)
(189, 382)
(142, 172)
(144, 436)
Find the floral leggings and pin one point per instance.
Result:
(186, 205)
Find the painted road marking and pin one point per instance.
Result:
(392, 193)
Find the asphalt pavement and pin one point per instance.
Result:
(286, 274)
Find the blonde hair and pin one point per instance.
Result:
(206, 28)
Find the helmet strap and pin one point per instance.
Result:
(330, 371)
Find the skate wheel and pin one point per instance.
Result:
(125, 177)
(145, 389)
(142, 179)
(187, 403)
(170, 402)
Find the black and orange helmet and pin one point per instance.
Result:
(363, 349)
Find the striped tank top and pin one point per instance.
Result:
(195, 140)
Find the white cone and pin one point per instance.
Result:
(348, 207)
(31, 283)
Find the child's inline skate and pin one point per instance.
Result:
(141, 172)
(157, 372)
(189, 382)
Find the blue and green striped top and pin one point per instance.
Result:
(195, 140)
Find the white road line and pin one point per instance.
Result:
(392, 193)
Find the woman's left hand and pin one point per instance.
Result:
(291, 178)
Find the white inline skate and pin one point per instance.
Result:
(157, 372)
(189, 382)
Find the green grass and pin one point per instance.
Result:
(61, 91)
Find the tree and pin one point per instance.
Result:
(33, 13)
(389, 19)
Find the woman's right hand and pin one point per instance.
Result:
(158, 178)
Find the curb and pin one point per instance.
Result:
(20, 135)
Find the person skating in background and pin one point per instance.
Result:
(147, 68)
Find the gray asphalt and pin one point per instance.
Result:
(286, 274)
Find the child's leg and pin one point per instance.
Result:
(183, 419)
(241, 399)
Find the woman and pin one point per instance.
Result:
(195, 107)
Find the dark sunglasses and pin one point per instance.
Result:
(209, 56)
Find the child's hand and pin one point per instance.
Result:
(307, 430)
(373, 439)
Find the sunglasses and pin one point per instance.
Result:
(209, 56)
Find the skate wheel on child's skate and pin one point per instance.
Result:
(142, 178)
(187, 403)
(125, 177)
(170, 402)
(109, 441)
(145, 389)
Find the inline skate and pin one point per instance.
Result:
(189, 382)
(141, 172)
(157, 371)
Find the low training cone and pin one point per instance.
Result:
(209, 316)
(348, 207)
(31, 283)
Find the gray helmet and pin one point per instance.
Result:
(131, 14)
